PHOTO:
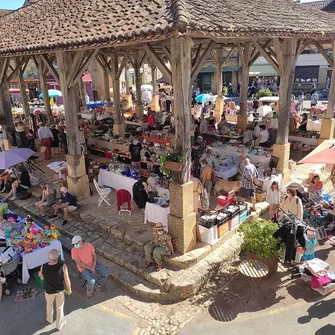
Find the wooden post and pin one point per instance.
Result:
(22, 86)
(82, 92)
(245, 54)
(116, 87)
(155, 96)
(138, 84)
(42, 71)
(106, 86)
(331, 96)
(126, 79)
(287, 55)
(182, 219)
(78, 182)
(218, 62)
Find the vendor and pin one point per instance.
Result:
(135, 153)
(222, 124)
(210, 158)
(263, 137)
(315, 188)
(206, 176)
(211, 122)
(151, 119)
(291, 203)
(303, 123)
(160, 246)
(140, 194)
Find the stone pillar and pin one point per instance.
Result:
(182, 219)
(119, 129)
(327, 130)
(282, 151)
(23, 93)
(77, 179)
(138, 82)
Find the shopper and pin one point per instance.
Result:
(263, 137)
(159, 247)
(46, 136)
(56, 280)
(206, 176)
(48, 198)
(273, 198)
(55, 140)
(291, 203)
(84, 255)
(249, 176)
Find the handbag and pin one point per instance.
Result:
(42, 149)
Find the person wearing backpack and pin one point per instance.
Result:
(67, 202)
(291, 203)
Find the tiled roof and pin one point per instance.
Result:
(48, 25)
(317, 4)
(4, 12)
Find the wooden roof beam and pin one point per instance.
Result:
(323, 52)
(152, 54)
(89, 57)
(256, 53)
(267, 56)
(123, 64)
(4, 68)
(47, 61)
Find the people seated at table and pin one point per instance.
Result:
(291, 203)
(5, 177)
(263, 137)
(83, 253)
(67, 203)
(19, 184)
(209, 156)
(211, 122)
(48, 198)
(140, 194)
(222, 125)
(207, 176)
(160, 246)
(315, 188)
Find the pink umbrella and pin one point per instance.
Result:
(326, 156)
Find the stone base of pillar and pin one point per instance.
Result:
(183, 232)
(77, 180)
(119, 129)
(155, 103)
(139, 110)
(282, 151)
(219, 104)
(182, 219)
(242, 121)
(327, 130)
(7, 145)
(130, 100)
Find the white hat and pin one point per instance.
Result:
(156, 145)
(76, 239)
(63, 189)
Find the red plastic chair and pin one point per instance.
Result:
(122, 197)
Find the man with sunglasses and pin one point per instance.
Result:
(84, 255)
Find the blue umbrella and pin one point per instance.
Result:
(12, 157)
(202, 98)
(52, 94)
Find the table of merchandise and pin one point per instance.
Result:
(37, 258)
(155, 214)
(267, 182)
(116, 181)
(255, 159)
(225, 175)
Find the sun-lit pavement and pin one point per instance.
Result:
(101, 314)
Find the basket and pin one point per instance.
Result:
(260, 197)
(39, 281)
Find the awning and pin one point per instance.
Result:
(262, 70)
(87, 78)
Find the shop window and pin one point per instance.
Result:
(306, 74)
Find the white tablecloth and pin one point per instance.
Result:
(268, 182)
(226, 174)
(116, 181)
(255, 159)
(154, 213)
(37, 258)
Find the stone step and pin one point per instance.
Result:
(124, 277)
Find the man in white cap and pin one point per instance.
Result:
(84, 255)
(210, 158)
(67, 202)
(56, 280)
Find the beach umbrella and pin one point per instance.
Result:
(52, 94)
(12, 157)
(203, 98)
(326, 156)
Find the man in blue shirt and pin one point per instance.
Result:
(67, 202)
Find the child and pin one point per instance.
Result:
(310, 239)
(273, 198)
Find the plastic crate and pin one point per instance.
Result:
(223, 219)
(208, 235)
(243, 216)
(224, 200)
(234, 211)
(208, 220)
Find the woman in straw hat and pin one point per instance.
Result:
(159, 247)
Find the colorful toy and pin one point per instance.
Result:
(54, 232)
(28, 245)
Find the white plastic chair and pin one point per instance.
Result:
(103, 193)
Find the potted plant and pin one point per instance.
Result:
(259, 243)
(171, 161)
(262, 93)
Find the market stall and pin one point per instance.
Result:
(156, 213)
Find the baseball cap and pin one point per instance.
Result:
(63, 189)
(76, 239)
